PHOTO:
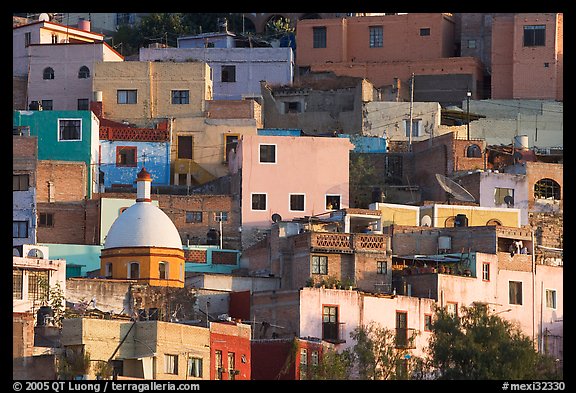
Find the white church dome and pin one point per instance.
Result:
(143, 224)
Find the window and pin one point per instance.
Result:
(220, 216)
(126, 156)
(314, 360)
(473, 151)
(185, 147)
(268, 154)
(134, 270)
(230, 143)
(47, 105)
(493, 221)
(534, 35)
(381, 267)
(195, 367)
(376, 34)
(401, 329)
(180, 97)
(127, 96)
(425, 31)
(20, 182)
(258, 201)
(292, 107)
(83, 104)
(21, 130)
(171, 364)
(485, 271)
(19, 229)
(427, 322)
(319, 37)
(218, 363)
(54, 38)
(48, 73)
(471, 44)
(551, 298)
(303, 362)
(38, 284)
(228, 73)
(415, 127)
(163, 270)
(194, 217)
(108, 270)
(504, 196)
(515, 292)
(297, 202)
(452, 308)
(27, 39)
(17, 283)
(231, 365)
(69, 129)
(547, 189)
(332, 202)
(330, 323)
(46, 220)
(84, 73)
(319, 264)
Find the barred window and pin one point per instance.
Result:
(319, 264)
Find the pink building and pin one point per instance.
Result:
(288, 176)
(514, 287)
(381, 48)
(528, 56)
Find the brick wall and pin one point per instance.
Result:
(22, 334)
(69, 223)
(68, 181)
(280, 308)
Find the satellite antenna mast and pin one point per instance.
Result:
(454, 189)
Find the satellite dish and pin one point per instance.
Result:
(44, 17)
(276, 217)
(426, 221)
(454, 189)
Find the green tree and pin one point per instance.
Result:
(380, 354)
(332, 365)
(480, 345)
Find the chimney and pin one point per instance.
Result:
(84, 24)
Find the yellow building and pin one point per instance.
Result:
(142, 91)
(442, 216)
(141, 349)
(143, 243)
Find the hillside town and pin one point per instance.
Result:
(234, 208)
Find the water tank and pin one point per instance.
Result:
(84, 24)
(97, 96)
(42, 315)
(461, 220)
(444, 243)
(521, 142)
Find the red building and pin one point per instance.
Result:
(230, 351)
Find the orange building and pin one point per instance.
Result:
(382, 48)
(143, 243)
(528, 56)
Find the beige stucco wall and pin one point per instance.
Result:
(386, 119)
(154, 82)
(147, 339)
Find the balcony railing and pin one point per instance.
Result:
(348, 242)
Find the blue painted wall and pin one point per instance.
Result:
(366, 144)
(279, 132)
(155, 154)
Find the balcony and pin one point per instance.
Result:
(347, 242)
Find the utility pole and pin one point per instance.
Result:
(411, 110)
(468, 94)
(220, 219)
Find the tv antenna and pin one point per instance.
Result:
(454, 189)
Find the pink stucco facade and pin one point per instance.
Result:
(538, 312)
(312, 167)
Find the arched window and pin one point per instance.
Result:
(84, 73)
(48, 73)
(473, 151)
(494, 222)
(547, 189)
(163, 270)
(108, 270)
(134, 270)
(449, 223)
